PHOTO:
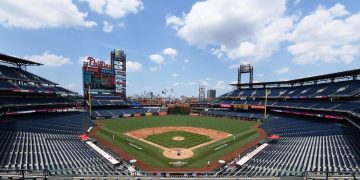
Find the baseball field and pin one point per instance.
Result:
(177, 141)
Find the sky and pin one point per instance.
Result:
(180, 45)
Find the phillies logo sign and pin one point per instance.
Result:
(101, 64)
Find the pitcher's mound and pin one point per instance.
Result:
(178, 138)
(178, 153)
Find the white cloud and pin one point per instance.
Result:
(42, 14)
(154, 69)
(186, 60)
(282, 70)
(133, 66)
(96, 5)
(192, 83)
(260, 75)
(49, 59)
(115, 8)
(247, 30)
(178, 83)
(203, 82)
(174, 22)
(107, 27)
(233, 66)
(175, 75)
(170, 52)
(82, 59)
(208, 79)
(157, 58)
(326, 36)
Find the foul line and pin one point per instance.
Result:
(135, 146)
(220, 147)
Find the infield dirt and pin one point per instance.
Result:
(146, 166)
(179, 152)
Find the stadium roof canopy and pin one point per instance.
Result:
(350, 74)
(17, 61)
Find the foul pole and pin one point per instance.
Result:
(265, 104)
(89, 94)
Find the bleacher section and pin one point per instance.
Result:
(51, 142)
(24, 92)
(99, 103)
(118, 113)
(18, 80)
(31, 101)
(322, 141)
(325, 105)
(233, 114)
(305, 145)
(13, 73)
(343, 88)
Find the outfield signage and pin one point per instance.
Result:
(334, 117)
(241, 106)
(225, 105)
(257, 107)
(126, 115)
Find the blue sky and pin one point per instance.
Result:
(182, 44)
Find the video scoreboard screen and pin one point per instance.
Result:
(99, 76)
(245, 68)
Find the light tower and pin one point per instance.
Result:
(244, 69)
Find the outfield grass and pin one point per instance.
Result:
(242, 130)
(166, 139)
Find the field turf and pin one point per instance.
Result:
(242, 130)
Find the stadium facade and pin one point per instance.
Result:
(312, 124)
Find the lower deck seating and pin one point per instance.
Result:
(51, 142)
(304, 145)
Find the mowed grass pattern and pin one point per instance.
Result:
(129, 124)
(242, 130)
(166, 139)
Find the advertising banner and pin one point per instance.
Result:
(225, 105)
(241, 106)
(257, 107)
(126, 115)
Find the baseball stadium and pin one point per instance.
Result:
(307, 128)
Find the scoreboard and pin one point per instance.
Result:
(106, 78)
(99, 76)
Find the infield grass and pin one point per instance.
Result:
(166, 139)
(242, 130)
